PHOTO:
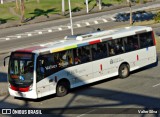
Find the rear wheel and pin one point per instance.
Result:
(62, 89)
(123, 71)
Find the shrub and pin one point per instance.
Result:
(157, 17)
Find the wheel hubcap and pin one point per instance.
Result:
(124, 71)
(61, 89)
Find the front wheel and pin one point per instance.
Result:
(123, 71)
(62, 89)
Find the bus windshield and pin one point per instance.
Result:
(21, 69)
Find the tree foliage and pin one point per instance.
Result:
(157, 17)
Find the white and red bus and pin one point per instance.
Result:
(56, 67)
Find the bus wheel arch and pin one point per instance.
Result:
(62, 88)
(124, 70)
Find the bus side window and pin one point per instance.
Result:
(86, 54)
(64, 59)
(119, 46)
(146, 40)
(76, 55)
(131, 43)
(111, 48)
(40, 69)
(70, 57)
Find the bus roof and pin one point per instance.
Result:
(85, 39)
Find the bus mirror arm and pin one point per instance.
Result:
(4, 63)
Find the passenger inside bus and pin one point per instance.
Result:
(112, 52)
(77, 60)
(85, 55)
(64, 59)
(29, 67)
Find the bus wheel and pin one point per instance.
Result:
(62, 89)
(123, 71)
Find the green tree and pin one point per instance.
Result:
(157, 17)
(22, 8)
(20, 5)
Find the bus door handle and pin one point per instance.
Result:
(51, 80)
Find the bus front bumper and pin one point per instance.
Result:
(29, 94)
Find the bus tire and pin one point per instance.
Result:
(62, 89)
(124, 71)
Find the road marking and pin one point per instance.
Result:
(105, 20)
(7, 38)
(78, 25)
(86, 113)
(113, 18)
(50, 30)
(29, 34)
(39, 32)
(69, 27)
(59, 28)
(96, 22)
(19, 36)
(87, 23)
(156, 85)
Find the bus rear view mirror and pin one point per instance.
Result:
(4, 63)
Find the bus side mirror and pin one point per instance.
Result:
(4, 63)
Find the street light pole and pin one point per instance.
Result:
(69, 3)
(1, 1)
(129, 2)
(87, 5)
(63, 7)
(100, 5)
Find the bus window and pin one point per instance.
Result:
(146, 40)
(94, 52)
(86, 54)
(131, 43)
(116, 47)
(70, 57)
(111, 47)
(63, 60)
(101, 50)
(76, 54)
(119, 48)
(40, 69)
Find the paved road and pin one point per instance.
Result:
(138, 92)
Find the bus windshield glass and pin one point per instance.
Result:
(21, 69)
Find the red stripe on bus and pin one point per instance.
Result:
(137, 57)
(20, 89)
(101, 68)
(94, 42)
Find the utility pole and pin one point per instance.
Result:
(87, 6)
(100, 4)
(22, 8)
(1, 1)
(70, 12)
(130, 6)
(63, 7)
